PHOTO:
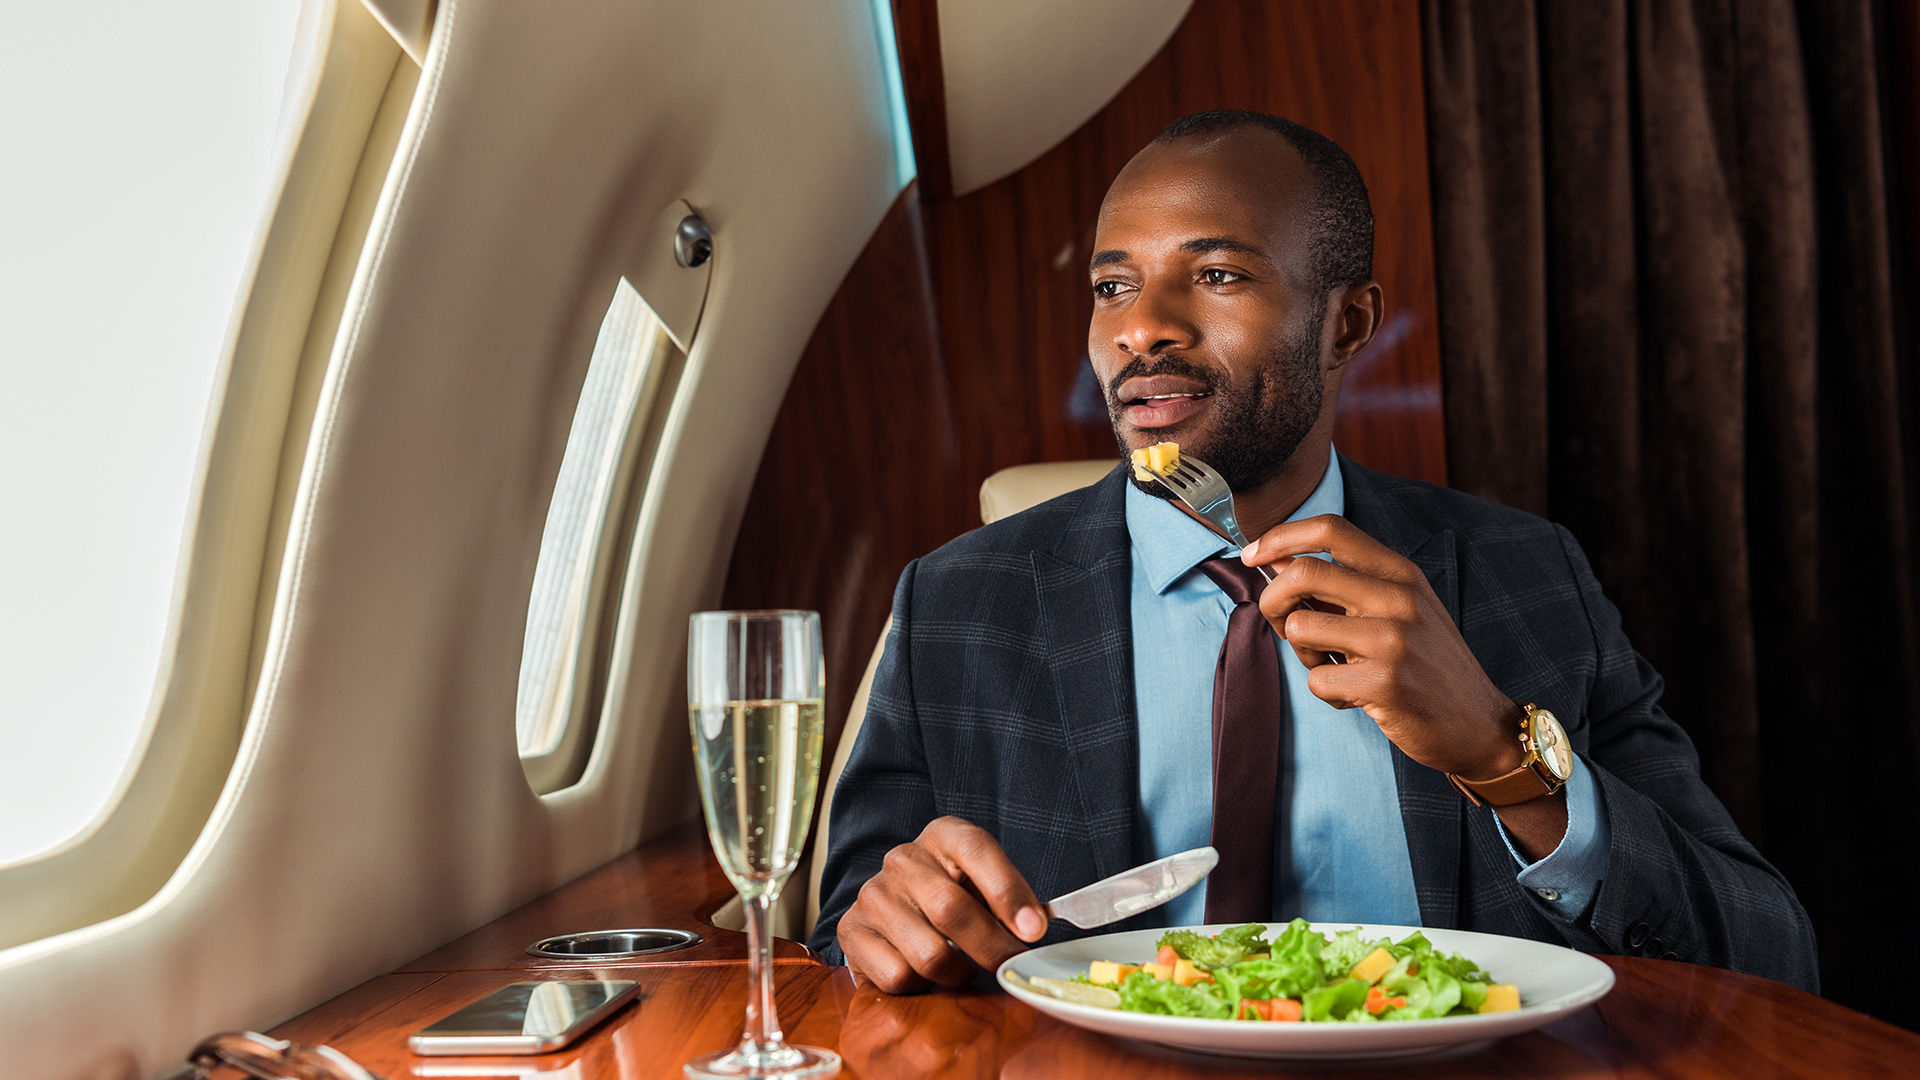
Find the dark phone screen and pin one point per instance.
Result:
(540, 1009)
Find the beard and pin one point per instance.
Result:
(1256, 423)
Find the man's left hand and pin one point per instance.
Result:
(1406, 663)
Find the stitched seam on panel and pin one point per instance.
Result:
(323, 446)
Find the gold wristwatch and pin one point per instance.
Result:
(1548, 764)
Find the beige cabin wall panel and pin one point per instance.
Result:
(328, 306)
(377, 807)
(410, 22)
(187, 748)
(1020, 76)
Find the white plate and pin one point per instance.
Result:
(1554, 982)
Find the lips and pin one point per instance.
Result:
(1158, 401)
(1160, 412)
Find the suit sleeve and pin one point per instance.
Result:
(885, 794)
(1681, 882)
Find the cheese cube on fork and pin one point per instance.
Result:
(1158, 459)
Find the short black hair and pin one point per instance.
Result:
(1342, 252)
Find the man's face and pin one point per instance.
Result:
(1207, 329)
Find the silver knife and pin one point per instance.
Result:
(1131, 892)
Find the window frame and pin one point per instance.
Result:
(350, 97)
(586, 657)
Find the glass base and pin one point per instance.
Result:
(784, 1061)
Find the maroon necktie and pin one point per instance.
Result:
(1249, 713)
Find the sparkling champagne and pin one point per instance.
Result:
(759, 767)
(755, 684)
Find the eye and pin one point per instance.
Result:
(1107, 290)
(1214, 275)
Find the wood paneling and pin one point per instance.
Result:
(671, 884)
(1662, 1020)
(957, 344)
(358, 1009)
(862, 470)
(1010, 261)
(916, 29)
(682, 1012)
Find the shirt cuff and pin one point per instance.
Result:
(1570, 875)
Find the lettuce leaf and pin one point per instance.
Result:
(1434, 983)
(1144, 993)
(1347, 949)
(1296, 960)
(1250, 938)
(1334, 1002)
(1230, 947)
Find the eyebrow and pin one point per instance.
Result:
(1200, 245)
(1205, 244)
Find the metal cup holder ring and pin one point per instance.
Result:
(601, 945)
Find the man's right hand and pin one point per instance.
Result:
(940, 908)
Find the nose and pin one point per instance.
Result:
(1155, 322)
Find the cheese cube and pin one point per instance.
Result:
(1163, 972)
(1107, 971)
(1501, 997)
(1186, 974)
(1373, 966)
(1155, 459)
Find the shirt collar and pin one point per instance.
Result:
(1167, 544)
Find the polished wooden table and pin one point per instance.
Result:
(1662, 1019)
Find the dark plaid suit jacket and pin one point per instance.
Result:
(1005, 697)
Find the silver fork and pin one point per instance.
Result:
(1197, 485)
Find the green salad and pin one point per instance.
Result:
(1240, 974)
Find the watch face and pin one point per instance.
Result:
(1550, 741)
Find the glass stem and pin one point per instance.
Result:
(763, 1022)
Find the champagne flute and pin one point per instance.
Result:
(755, 687)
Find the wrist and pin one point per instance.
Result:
(1503, 751)
(1546, 764)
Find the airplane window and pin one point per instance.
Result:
(134, 187)
(579, 552)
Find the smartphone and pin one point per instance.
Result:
(525, 1017)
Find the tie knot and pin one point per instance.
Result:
(1241, 583)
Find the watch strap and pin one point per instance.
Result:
(1529, 781)
(1521, 785)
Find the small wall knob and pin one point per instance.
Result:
(692, 242)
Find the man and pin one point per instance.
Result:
(1093, 683)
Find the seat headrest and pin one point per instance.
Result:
(1012, 490)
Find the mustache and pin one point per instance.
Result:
(1166, 365)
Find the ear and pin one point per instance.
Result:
(1355, 312)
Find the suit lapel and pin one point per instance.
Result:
(1431, 809)
(1084, 588)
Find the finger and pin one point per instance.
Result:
(923, 945)
(936, 922)
(973, 856)
(1344, 686)
(1357, 637)
(967, 930)
(939, 927)
(1332, 585)
(873, 959)
(1335, 536)
(1311, 658)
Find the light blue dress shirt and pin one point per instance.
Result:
(1346, 858)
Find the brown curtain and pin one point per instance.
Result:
(1672, 315)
